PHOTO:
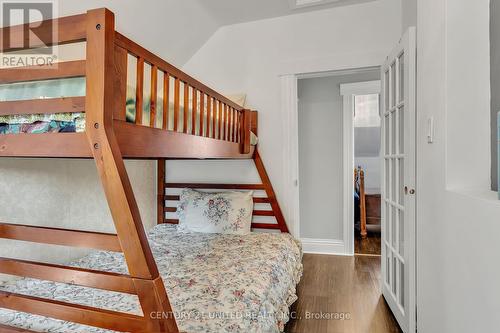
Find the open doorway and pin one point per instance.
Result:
(367, 169)
(326, 157)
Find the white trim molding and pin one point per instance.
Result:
(289, 111)
(323, 246)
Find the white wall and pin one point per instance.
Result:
(64, 194)
(409, 13)
(372, 168)
(175, 30)
(457, 217)
(250, 58)
(321, 154)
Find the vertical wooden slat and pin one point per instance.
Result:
(221, 106)
(166, 102)
(186, 108)
(214, 117)
(226, 123)
(233, 111)
(154, 95)
(245, 131)
(202, 112)
(139, 92)
(238, 126)
(209, 115)
(194, 111)
(120, 81)
(231, 124)
(177, 98)
(161, 190)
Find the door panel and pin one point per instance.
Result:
(398, 175)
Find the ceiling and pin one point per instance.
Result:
(227, 12)
(176, 29)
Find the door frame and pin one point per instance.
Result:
(291, 182)
(349, 91)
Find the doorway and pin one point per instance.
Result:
(362, 126)
(323, 143)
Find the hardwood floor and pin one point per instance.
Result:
(341, 287)
(370, 245)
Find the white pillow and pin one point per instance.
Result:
(223, 212)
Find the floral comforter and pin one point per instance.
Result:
(216, 283)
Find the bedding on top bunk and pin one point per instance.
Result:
(215, 283)
(74, 122)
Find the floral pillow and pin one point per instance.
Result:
(223, 212)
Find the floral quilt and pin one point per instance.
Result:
(216, 283)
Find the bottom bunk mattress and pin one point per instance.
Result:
(215, 283)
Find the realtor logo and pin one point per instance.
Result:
(28, 34)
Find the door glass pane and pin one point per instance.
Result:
(394, 172)
(386, 129)
(394, 223)
(393, 131)
(401, 85)
(388, 231)
(394, 275)
(401, 232)
(386, 92)
(402, 284)
(388, 265)
(401, 130)
(387, 178)
(393, 84)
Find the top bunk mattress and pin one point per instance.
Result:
(215, 283)
(75, 122)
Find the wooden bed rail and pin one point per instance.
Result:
(265, 186)
(204, 112)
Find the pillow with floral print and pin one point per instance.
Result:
(221, 212)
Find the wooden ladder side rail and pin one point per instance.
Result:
(100, 103)
(268, 187)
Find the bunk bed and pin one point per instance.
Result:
(124, 285)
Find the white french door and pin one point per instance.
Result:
(398, 174)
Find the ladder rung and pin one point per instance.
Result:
(66, 274)
(217, 186)
(55, 236)
(76, 313)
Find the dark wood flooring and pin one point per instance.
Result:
(371, 245)
(345, 291)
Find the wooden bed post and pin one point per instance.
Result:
(100, 103)
(160, 168)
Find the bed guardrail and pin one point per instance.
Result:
(197, 109)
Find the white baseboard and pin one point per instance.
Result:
(323, 246)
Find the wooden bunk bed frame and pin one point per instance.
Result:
(108, 139)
